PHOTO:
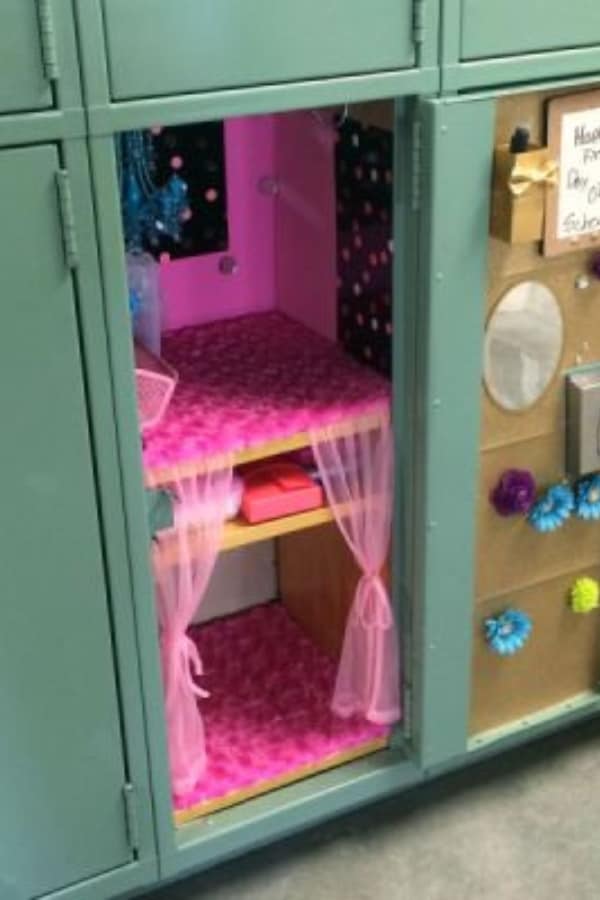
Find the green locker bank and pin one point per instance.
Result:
(300, 403)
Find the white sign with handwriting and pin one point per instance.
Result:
(573, 213)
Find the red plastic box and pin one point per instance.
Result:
(275, 488)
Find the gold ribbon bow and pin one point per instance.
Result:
(524, 175)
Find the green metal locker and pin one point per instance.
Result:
(28, 56)
(62, 766)
(512, 28)
(196, 45)
(86, 801)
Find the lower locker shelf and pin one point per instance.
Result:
(268, 720)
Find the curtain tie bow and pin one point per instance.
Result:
(186, 663)
(373, 608)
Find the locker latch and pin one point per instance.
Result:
(131, 814)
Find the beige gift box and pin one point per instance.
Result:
(520, 185)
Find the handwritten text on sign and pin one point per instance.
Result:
(579, 192)
(573, 207)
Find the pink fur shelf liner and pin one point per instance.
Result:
(251, 380)
(268, 713)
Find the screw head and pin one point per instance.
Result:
(228, 265)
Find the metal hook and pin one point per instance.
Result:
(343, 117)
(336, 121)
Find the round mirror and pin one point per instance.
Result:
(523, 344)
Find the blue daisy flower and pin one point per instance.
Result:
(587, 498)
(552, 509)
(508, 632)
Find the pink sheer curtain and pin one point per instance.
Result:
(181, 582)
(357, 474)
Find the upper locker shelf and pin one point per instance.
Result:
(255, 386)
(187, 46)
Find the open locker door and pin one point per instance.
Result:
(452, 164)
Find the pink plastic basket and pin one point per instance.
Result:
(155, 383)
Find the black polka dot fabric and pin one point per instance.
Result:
(364, 158)
(197, 154)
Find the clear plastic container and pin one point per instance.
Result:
(143, 278)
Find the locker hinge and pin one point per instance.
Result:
(48, 41)
(417, 152)
(67, 216)
(419, 10)
(131, 815)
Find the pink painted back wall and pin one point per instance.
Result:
(194, 289)
(284, 244)
(305, 226)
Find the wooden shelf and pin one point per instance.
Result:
(238, 533)
(158, 477)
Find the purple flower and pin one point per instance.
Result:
(515, 492)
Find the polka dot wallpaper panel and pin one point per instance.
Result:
(364, 158)
(197, 154)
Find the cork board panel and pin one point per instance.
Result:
(581, 344)
(510, 553)
(561, 659)
(317, 583)
(521, 261)
(529, 110)
(509, 264)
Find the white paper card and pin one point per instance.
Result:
(579, 185)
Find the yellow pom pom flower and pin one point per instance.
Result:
(585, 595)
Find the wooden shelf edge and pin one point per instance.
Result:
(154, 478)
(239, 534)
(204, 808)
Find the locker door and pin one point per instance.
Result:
(492, 29)
(62, 773)
(155, 48)
(23, 85)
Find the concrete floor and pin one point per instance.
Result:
(525, 826)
